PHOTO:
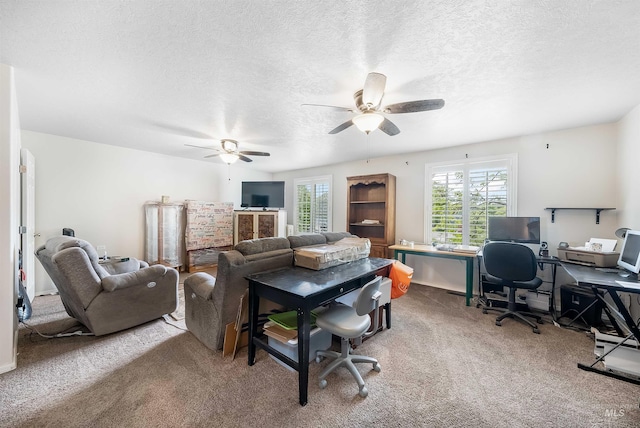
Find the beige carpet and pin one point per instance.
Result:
(179, 313)
(443, 365)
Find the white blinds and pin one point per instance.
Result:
(312, 205)
(461, 196)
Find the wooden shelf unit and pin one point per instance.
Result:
(373, 197)
(258, 224)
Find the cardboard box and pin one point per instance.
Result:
(622, 359)
(236, 335)
(609, 341)
(272, 329)
(318, 257)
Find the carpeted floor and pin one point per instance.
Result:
(443, 365)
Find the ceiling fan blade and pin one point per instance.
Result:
(373, 89)
(201, 147)
(414, 106)
(212, 156)
(388, 127)
(250, 153)
(244, 158)
(332, 107)
(342, 127)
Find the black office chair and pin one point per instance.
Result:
(514, 266)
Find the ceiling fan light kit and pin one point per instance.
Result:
(367, 122)
(228, 158)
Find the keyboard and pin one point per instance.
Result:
(608, 270)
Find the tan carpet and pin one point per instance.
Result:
(179, 313)
(443, 365)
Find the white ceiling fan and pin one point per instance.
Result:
(229, 152)
(371, 116)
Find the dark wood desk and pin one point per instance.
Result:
(304, 289)
(599, 282)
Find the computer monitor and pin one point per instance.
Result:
(630, 255)
(523, 230)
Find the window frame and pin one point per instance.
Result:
(509, 160)
(322, 179)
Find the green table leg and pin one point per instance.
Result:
(469, 293)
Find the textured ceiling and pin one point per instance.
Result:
(155, 75)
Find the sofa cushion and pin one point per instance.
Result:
(267, 255)
(263, 245)
(306, 240)
(336, 236)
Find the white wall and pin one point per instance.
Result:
(99, 190)
(628, 179)
(9, 218)
(576, 170)
(629, 169)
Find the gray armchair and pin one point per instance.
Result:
(107, 298)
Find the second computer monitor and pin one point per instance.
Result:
(523, 230)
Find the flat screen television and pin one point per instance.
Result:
(263, 194)
(523, 230)
(630, 255)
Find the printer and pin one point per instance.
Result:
(596, 252)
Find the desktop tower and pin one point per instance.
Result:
(574, 300)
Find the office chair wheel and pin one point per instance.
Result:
(376, 367)
(319, 359)
(484, 311)
(322, 384)
(536, 330)
(498, 323)
(540, 321)
(363, 392)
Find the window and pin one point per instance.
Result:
(462, 195)
(312, 204)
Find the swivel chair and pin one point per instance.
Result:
(350, 323)
(514, 266)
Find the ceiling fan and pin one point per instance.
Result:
(368, 102)
(229, 152)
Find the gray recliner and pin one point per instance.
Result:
(350, 322)
(107, 298)
(211, 303)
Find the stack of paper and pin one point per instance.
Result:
(279, 333)
(598, 245)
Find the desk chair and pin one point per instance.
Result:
(513, 266)
(350, 323)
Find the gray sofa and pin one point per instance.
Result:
(211, 303)
(111, 297)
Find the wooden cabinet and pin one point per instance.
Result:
(371, 210)
(258, 224)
